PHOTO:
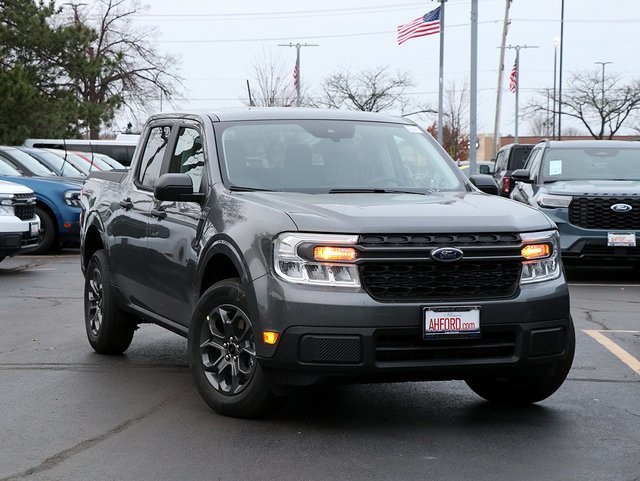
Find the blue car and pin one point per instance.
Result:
(57, 206)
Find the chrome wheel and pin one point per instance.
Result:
(96, 302)
(227, 349)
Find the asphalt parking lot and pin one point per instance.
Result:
(70, 414)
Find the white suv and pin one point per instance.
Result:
(19, 224)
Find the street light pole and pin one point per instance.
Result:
(560, 74)
(441, 74)
(603, 64)
(298, 73)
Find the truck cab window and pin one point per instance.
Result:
(188, 156)
(153, 154)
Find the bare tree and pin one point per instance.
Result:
(274, 82)
(602, 105)
(455, 128)
(371, 90)
(122, 68)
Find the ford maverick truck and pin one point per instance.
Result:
(297, 247)
(19, 224)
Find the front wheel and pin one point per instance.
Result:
(108, 329)
(526, 390)
(47, 236)
(222, 354)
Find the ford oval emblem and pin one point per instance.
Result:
(447, 254)
(621, 208)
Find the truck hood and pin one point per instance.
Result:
(402, 213)
(12, 188)
(594, 187)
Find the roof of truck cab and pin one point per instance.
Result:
(285, 113)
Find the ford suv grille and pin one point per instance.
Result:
(24, 206)
(400, 268)
(596, 213)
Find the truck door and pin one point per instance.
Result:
(128, 226)
(173, 227)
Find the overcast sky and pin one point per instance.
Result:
(218, 43)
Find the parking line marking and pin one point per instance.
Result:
(616, 350)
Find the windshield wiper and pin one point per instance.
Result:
(373, 190)
(239, 188)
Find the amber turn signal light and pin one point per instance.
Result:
(326, 253)
(269, 337)
(536, 251)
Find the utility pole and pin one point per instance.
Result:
(298, 73)
(441, 74)
(556, 41)
(496, 126)
(603, 64)
(560, 74)
(517, 49)
(473, 87)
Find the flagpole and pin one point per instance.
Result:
(517, 90)
(441, 74)
(299, 74)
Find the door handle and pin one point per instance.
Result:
(159, 213)
(126, 204)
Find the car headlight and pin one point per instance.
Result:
(72, 198)
(317, 259)
(6, 205)
(554, 201)
(541, 257)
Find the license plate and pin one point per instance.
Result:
(35, 228)
(444, 322)
(625, 239)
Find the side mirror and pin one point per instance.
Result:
(521, 175)
(484, 169)
(485, 183)
(177, 188)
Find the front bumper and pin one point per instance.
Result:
(353, 338)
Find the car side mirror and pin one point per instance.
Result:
(177, 188)
(521, 175)
(484, 169)
(485, 183)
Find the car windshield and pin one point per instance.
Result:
(55, 162)
(591, 163)
(7, 169)
(94, 159)
(337, 156)
(31, 164)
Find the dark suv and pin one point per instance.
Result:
(591, 190)
(509, 158)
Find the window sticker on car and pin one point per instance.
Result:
(555, 167)
(413, 129)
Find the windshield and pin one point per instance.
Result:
(329, 155)
(30, 164)
(591, 163)
(94, 159)
(7, 169)
(56, 163)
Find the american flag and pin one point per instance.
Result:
(295, 76)
(513, 79)
(420, 27)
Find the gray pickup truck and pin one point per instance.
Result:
(296, 247)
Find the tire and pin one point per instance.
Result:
(522, 391)
(46, 237)
(108, 329)
(222, 354)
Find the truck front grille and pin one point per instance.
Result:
(399, 268)
(596, 213)
(24, 206)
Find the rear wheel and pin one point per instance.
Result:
(222, 354)
(526, 390)
(108, 329)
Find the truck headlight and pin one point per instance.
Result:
(6, 205)
(541, 257)
(72, 198)
(317, 259)
(551, 201)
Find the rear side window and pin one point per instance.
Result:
(153, 155)
(519, 157)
